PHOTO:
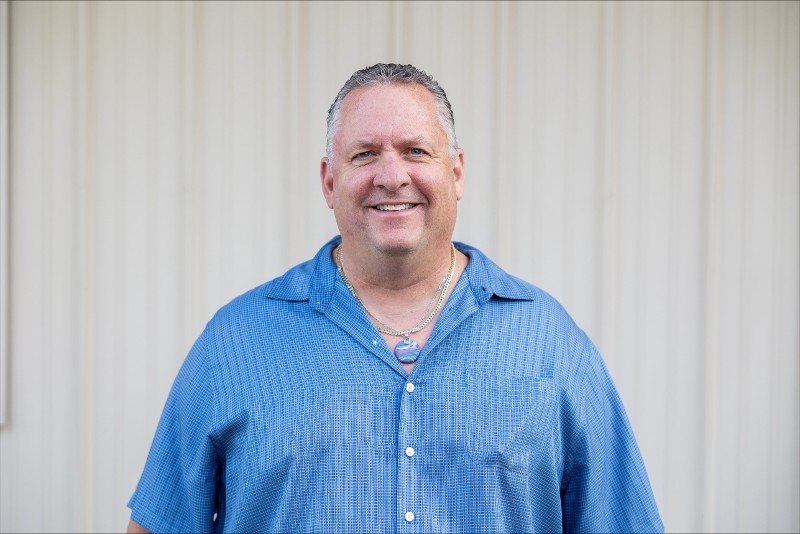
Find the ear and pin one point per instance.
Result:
(326, 177)
(458, 174)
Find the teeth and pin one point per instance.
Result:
(393, 207)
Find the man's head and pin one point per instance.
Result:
(393, 175)
(393, 73)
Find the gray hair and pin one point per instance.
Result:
(392, 73)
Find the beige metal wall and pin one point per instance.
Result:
(637, 160)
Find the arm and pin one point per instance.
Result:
(177, 488)
(136, 528)
(607, 488)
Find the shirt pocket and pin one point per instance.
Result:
(511, 420)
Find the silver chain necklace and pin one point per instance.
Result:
(407, 350)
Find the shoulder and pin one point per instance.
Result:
(517, 312)
(255, 303)
(492, 283)
(274, 301)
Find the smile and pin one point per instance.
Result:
(394, 207)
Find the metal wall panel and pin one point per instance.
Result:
(639, 161)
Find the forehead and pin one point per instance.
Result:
(398, 108)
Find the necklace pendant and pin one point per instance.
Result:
(407, 350)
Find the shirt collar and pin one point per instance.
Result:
(315, 279)
(488, 280)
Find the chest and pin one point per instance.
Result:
(351, 424)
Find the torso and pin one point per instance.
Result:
(422, 336)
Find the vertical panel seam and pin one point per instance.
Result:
(47, 284)
(711, 302)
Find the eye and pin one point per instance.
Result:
(416, 151)
(363, 155)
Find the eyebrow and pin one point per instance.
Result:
(367, 143)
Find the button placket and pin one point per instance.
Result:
(406, 475)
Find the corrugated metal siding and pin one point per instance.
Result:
(637, 160)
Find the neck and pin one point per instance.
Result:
(400, 303)
(373, 271)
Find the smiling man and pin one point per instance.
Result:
(397, 381)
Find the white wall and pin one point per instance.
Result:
(637, 160)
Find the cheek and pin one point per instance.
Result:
(349, 194)
(438, 189)
(356, 184)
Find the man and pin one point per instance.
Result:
(395, 382)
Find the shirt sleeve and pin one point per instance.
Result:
(177, 490)
(605, 488)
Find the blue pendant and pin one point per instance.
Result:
(407, 351)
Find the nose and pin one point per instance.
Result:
(391, 173)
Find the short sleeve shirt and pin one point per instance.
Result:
(291, 414)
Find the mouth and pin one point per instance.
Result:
(394, 207)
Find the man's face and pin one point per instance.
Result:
(393, 186)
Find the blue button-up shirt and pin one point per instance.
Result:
(291, 414)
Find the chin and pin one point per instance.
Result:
(397, 246)
(395, 249)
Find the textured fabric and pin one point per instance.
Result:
(290, 414)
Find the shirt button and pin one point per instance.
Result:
(409, 451)
(409, 387)
(409, 516)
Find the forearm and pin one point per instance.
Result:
(136, 528)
